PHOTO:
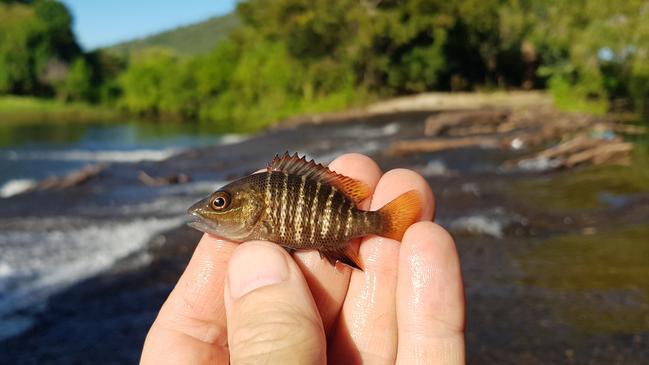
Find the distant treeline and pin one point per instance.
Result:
(297, 56)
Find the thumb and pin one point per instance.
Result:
(271, 315)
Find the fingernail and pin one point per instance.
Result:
(254, 265)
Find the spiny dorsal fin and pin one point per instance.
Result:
(354, 189)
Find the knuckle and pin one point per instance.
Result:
(274, 333)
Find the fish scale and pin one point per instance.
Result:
(322, 227)
(302, 205)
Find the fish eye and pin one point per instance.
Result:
(220, 200)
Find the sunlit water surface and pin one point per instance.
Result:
(43, 255)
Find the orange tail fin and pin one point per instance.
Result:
(400, 213)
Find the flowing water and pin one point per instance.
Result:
(42, 253)
(555, 263)
(30, 152)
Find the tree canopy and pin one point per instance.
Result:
(36, 46)
(296, 56)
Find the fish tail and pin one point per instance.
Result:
(399, 214)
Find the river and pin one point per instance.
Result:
(44, 254)
(555, 263)
(30, 152)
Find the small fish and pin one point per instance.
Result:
(302, 205)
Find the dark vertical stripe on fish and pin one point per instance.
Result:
(283, 206)
(290, 206)
(309, 194)
(340, 207)
(277, 182)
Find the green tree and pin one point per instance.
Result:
(19, 27)
(142, 81)
(78, 83)
(260, 89)
(36, 46)
(106, 69)
(300, 56)
(213, 72)
(591, 49)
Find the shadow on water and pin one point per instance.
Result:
(593, 277)
(603, 279)
(587, 188)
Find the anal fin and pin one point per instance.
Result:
(348, 257)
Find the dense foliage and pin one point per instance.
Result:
(297, 56)
(36, 45)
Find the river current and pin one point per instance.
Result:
(42, 254)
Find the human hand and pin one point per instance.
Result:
(252, 303)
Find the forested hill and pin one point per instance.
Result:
(188, 40)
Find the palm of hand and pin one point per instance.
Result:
(406, 307)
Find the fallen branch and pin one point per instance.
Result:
(149, 180)
(618, 152)
(578, 151)
(74, 178)
(440, 123)
(628, 129)
(434, 145)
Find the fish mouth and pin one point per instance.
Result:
(201, 224)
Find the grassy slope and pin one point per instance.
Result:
(188, 40)
(31, 109)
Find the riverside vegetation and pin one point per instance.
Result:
(287, 57)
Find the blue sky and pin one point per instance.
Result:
(104, 22)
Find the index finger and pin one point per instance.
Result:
(191, 325)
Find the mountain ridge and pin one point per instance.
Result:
(186, 40)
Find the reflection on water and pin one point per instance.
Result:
(125, 133)
(42, 255)
(603, 276)
(35, 151)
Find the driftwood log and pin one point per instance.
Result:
(434, 145)
(74, 178)
(485, 121)
(628, 129)
(149, 180)
(580, 150)
(610, 152)
(583, 139)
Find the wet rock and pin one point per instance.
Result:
(149, 180)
